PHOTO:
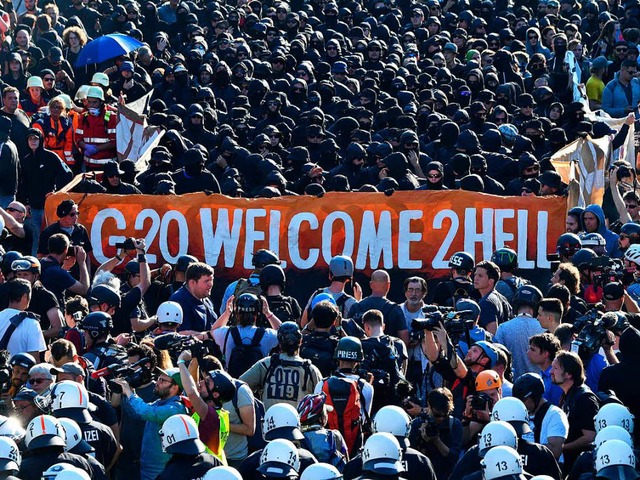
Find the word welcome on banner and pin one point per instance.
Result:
(415, 231)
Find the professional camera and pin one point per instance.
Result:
(605, 270)
(128, 244)
(135, 377)
(176, 344)
(592, 329)
(455, 323)
(431, 429)
(481, 401)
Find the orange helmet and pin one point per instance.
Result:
(487, 380)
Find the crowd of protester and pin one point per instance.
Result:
(480, 375)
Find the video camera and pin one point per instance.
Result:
(176, 344)
(135, 377)
(456, 323)
(605, 270)
(592, 330)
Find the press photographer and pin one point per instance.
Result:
(12, 377)
(439, 348)
(131, 426)
(436, 433)
(596, 332)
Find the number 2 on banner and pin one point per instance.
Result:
(438, 259)
(153, 230)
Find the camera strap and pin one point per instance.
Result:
(14, 322)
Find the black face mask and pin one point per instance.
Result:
(193, 170)
(560, 50)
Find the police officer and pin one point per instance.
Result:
(75, 443)
(382, 458)
(281, 422)
(394, 420)
(70, 399)
(179, 435)
(10, 458)
(279, 459)
(45, 443)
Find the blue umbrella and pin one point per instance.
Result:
(107, 47)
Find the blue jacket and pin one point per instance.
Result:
(614, 100)
(610, 237)
(152, 458)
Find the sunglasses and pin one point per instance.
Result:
(626, 206)
(47, 79)
(73, 214)
(623, 236)
(436, 175)
(315, 136)
(38, 381)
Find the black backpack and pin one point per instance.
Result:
(243, 356)
(256, 441)
(380, 360)
(281, 308)
(319, 348)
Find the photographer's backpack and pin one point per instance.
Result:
(380, 360)
(319, 348)
(281, 307)
(345, 396)
(243, 356)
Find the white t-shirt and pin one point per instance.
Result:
(26, 338)
(554, 424)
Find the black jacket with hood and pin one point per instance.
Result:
(47, 173)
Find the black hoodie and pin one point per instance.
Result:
(47, 173)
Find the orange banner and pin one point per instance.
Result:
(413, 231)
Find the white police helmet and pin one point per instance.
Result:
(500, 462)
(495, 434)
(179, 434)
(615, 460)
(282, 421)
(10, 457)
(44, 431)
(614, 414)
(382, 454)
(222, 473)
(279, 459)
(321, 471)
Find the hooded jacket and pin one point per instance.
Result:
(610, 237)
(47, 173)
